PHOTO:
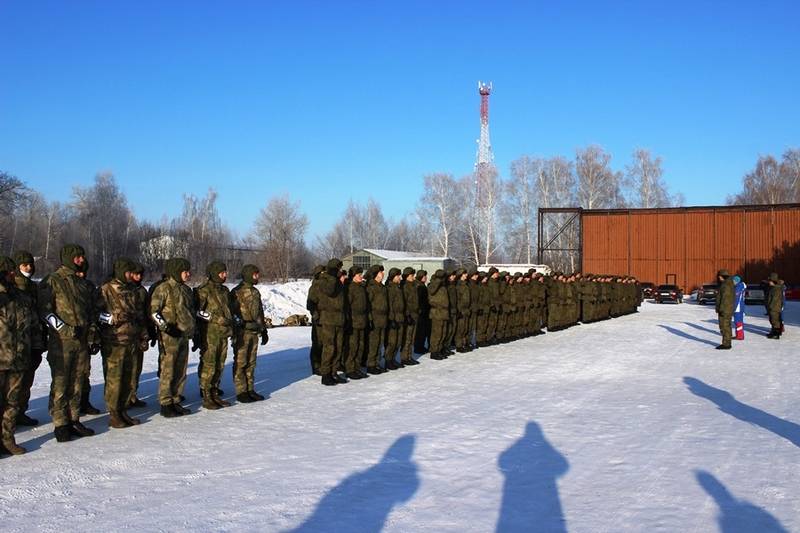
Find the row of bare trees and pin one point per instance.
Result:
(771, 181)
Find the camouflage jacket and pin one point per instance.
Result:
(174, 302)
(474, 296)
(16, 319)
(439, 299)
(463, 298)
(67, 296)
(246, 304)
(312, 301)
(215, 299)
(357, 304)
(331, 301)
(29, 290)
(128, 319)
(412, 299)
(397, 304)
(452, 296)
(495, 294)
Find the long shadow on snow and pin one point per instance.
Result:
(747, 327)
(685, 335)
(274, 371)
(746, 413)
(531, 467)
(364, 500)
(737, 516)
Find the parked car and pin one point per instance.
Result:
(648, 290)
(669, 293)
(793, 292)
(755, 294)
(707, 293)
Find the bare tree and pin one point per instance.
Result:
(482, 193)
(441, 204)
(598, 186)
(770, 182)
(519, 210)
(645, 182)
(280, 229)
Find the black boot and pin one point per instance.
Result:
(25, 420)
(724, 347)
(338, 378)
(363, 374)
(181, 410)
(137, 403)
(354, 375)
(375, 370)
(390, 365)
(437, 356)
(244, 397)
(168, 412)
(89, 409)
(79, 430)
(256, 396)
(328, 380)
(219, 401)
(129, 419)
(63, 433)
(411, 362)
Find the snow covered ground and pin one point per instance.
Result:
(636, 424)
(284, 299)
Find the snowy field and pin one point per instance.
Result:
(636, 424)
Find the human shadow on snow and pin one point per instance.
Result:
(531, 467)
(364, 500)
(747, 327)
(274, 371)
(737, 516)
(685, 335)
(746, 413)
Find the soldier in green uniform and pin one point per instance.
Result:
(28, 289)
(121, 332)
(775, 301)
(484, 310)
(463, 308)
(315, 353)
(215, 328)
(423, 330)
(93, 340)
(440, 314)
(410, 295)
(357, 305)
(16, 321)
(251, 327)
(377, 317)
(452, 321)
(495, 305)
(396, 319)
(725, 305)
(475, 307)
(331, 320)
(67, 309)
(172, 309)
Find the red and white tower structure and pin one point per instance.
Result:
(485, 155)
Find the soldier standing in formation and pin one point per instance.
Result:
(775, 302)
(725, 304)
(249, 314)
(28, 289)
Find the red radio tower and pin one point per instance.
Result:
(485, 155)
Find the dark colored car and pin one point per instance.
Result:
(669, 293)
(648, 290)
(755, 293)
(708, 293)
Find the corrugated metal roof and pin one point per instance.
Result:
(400, 255)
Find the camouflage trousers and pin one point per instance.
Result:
(491, 326)
(245, 356)
(136, 373)
(422, 334)
(375, 340)
(27, 380)
(315, 353)
(118, 362)
(481, 326)
(472, 332)
(394, 339)
(354, 352)
(409, 334)
(332, 338)
(215, 352)
(462, 329)
(85, 370)
(68, 360)
(450, 335)
(725, 329)
(10, 393)
(173, 366)
(438, 335)
(775, 321)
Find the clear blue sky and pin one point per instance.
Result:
(333, 100)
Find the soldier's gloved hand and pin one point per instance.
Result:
(94, 348)
(264, 338)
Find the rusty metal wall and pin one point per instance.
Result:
(692, 243)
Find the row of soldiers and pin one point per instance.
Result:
(68, 317)
(359, 318)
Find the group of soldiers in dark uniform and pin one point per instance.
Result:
(360, 318)
(68, 317)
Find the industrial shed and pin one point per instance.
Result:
(689, 244)
(367, 257)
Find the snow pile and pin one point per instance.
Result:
(281, 300)
(634, 424)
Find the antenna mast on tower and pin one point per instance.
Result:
(485, 155)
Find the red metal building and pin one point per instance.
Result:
(692, 243)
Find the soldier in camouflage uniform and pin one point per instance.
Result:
(16, 321)
(377, 318)
(484, 310)
(215, 328)
(410, 295)
(67, 309)
(357, 306)
(93, 340)
(475, 307)
(440, 314)
(23, 279)
(248, 312)
(312, 301)
(172, 310)
(423, 329)
(452, 322)
(143, 304)
(122, 332)
(495, 305)
(463, 308)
